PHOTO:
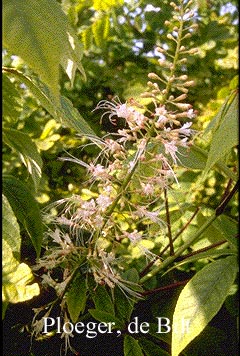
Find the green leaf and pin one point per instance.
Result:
(41, 35)
(76, 297)
(16, 278)
(151, 349)
(200, 300)
(123, 305)
(64, 111)
(192, 157)
(71, 117)
(25, 208)
(131, 275)
(87, 38)
(105, 5)
(27, 150)
(11, 100)
(100, 30)
(225, 137)
(11, 231)
(102, 300)
(106, 317)
(131, 347)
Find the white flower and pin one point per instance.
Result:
(185, 129)
(103, 201)
(147, 188)
(161, 113)
(134, 236)
(190, 114)
(97, 171)
(171, 148)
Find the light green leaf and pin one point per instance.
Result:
(27, 151)
(16, 278)
(106, 5)
(87, 38)
(225, 137)
(11, 231)
(131, 347)
(200, 300)
(25, 208)
(76, 297)
(106, 317)
(41, 35)
(100, 29)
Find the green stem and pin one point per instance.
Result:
(176, 55)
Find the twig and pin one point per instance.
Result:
(168, 287)
(168, 223)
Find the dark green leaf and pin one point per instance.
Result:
(106, 317)
(102, 300)
(27, 150)
(25, 208)
(76, 297)
(123, 305)
(151, 349)
(131, 347)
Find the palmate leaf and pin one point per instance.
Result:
(200, 300)
(39, 32)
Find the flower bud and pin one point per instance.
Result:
(183, 106)
(181, 97)
(153, 76)
(190, 83)
(188, 35)
(193, 51)
(161, 50)
(183, 77)
(170, 37)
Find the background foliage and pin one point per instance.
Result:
(87, 51)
